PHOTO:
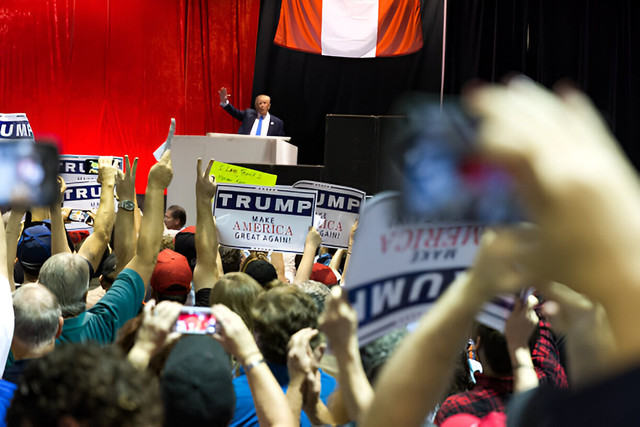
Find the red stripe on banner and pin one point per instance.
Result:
(399, 27)
(300, 25)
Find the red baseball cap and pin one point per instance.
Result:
(323, 274)
(171, 269)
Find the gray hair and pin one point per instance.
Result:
(67, 276)
(318, 291)
(37, 313)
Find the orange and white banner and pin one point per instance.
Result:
(351, 28)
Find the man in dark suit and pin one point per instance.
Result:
(254, 122)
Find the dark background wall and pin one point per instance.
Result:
(590, 42)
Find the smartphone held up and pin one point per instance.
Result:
(196, 320)
(28, 169)
(444, 177)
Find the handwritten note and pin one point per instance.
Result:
(225, 172)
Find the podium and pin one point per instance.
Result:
(223, 147)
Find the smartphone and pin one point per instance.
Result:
(196, 320)
(444, 176)
(78, 215)
(28, 173)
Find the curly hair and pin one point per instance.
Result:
(279, 313)
(93, 384)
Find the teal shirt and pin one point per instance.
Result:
(100, 324)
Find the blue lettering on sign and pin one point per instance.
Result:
(86, 192)
(261, 202)
(16, 130)
(73, 166)
(374, 300)
(84, 166)
(336, 201)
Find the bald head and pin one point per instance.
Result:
(37, 315)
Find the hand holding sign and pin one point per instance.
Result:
(314, 239)
(161, 173)
(498, 267)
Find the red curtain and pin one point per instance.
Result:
(106, 76)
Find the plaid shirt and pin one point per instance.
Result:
(493, 393)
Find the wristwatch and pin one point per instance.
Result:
(127, 205)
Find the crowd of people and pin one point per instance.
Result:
(87, 323)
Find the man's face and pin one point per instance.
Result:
(262, 104)
(170, 222)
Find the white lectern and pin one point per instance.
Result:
(227, 148)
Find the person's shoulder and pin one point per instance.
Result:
(128, 275)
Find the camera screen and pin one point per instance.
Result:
(28, 173)
(444, 177)
(196, 320)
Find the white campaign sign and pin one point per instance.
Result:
(399, 268)
(263, 218)
(15, 126)
(80, 173)
(339, 209)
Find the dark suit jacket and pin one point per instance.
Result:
(248, 116)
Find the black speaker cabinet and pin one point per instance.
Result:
(356, 151)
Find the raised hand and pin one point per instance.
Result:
(106, 170)
(161, 173)
(126, 181)
(205, 182)
(223, 94)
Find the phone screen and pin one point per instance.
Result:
(28, 173)
(196, 320)
(78, 215)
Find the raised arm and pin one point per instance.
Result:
(223, 95)
(579, 188)
(352, 234)
(416, 376)
(59, 242)
(311, 245)
(277, 260)
(304, 378)
(125, 237)
(340, 323)
(269, 399)
(94, 246)
(6, 306)
(157, 323)
(13, 231)
(518, 329)
(152, 223)
(207, 271)
(590, 345)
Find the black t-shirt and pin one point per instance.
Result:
(202, 297)
(610, 402)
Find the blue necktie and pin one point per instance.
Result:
(259, 126)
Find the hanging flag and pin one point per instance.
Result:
(352, 29)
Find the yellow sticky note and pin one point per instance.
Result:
(225, 172)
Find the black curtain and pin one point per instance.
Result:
(591, 42)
